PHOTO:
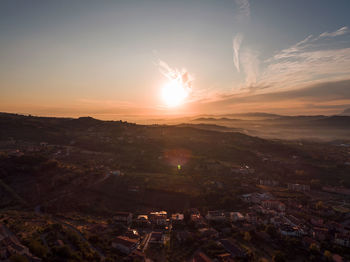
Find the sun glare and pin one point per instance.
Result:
(174, 93)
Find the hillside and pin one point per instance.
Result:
(65, 164)
(317, 127)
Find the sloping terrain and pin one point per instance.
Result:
(65, 164)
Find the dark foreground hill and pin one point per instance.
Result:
(100, 166)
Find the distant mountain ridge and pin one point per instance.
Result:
(346, 112)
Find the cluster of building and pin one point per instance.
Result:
(155, 226)
(263, 209)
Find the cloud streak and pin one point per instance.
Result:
(341, 31)
(314, 59)
(322, 98)
(250, 63)
(237, 41)
(311, 60)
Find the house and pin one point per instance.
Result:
(256, 197)
(142, 220)
(334, 226)
(247, 227)
(288, 230)
(246, 198)
(158, 218)
(274, 204)
(124, 244)
(316, 221)
(344, 226)
(177, 217)
(251, 218)
(320, 233)
(308, 241)
(236, 216)
(198, 221)
(201, 257)
(132, 233)
(156, 238)
(44, 144)
(243, 170)
(225, 257)
(298, 187)
(295, 221)
(217, 216)
(210, 233)
(116, 173)
(277, 221)
(183, 236)
(337, 190)
(134, 189)
(177, 220)
(337, 258)
(342, 240)
(123, 218)
(231, 247)
(268, 182)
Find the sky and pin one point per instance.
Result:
(111, 59)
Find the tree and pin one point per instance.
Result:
(270, 229)
(328, 255)
(314, 248)
(319, 205)
(38, 249)
(63, 252)
(247, 236)
(18, 258)
(263, 260)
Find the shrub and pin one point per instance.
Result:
(18, 258)
(38, 249)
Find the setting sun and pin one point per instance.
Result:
(174, 93)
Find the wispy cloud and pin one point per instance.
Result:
(237, 41)
(289, 52)
(311, 60)
(245, 59)
(313, 73)
(341, 31)
(250, 63)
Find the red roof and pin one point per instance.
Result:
(201, 257)
(337, 258)
(125, 241)
(156, 236)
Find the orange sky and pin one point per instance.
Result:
(111, 60)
